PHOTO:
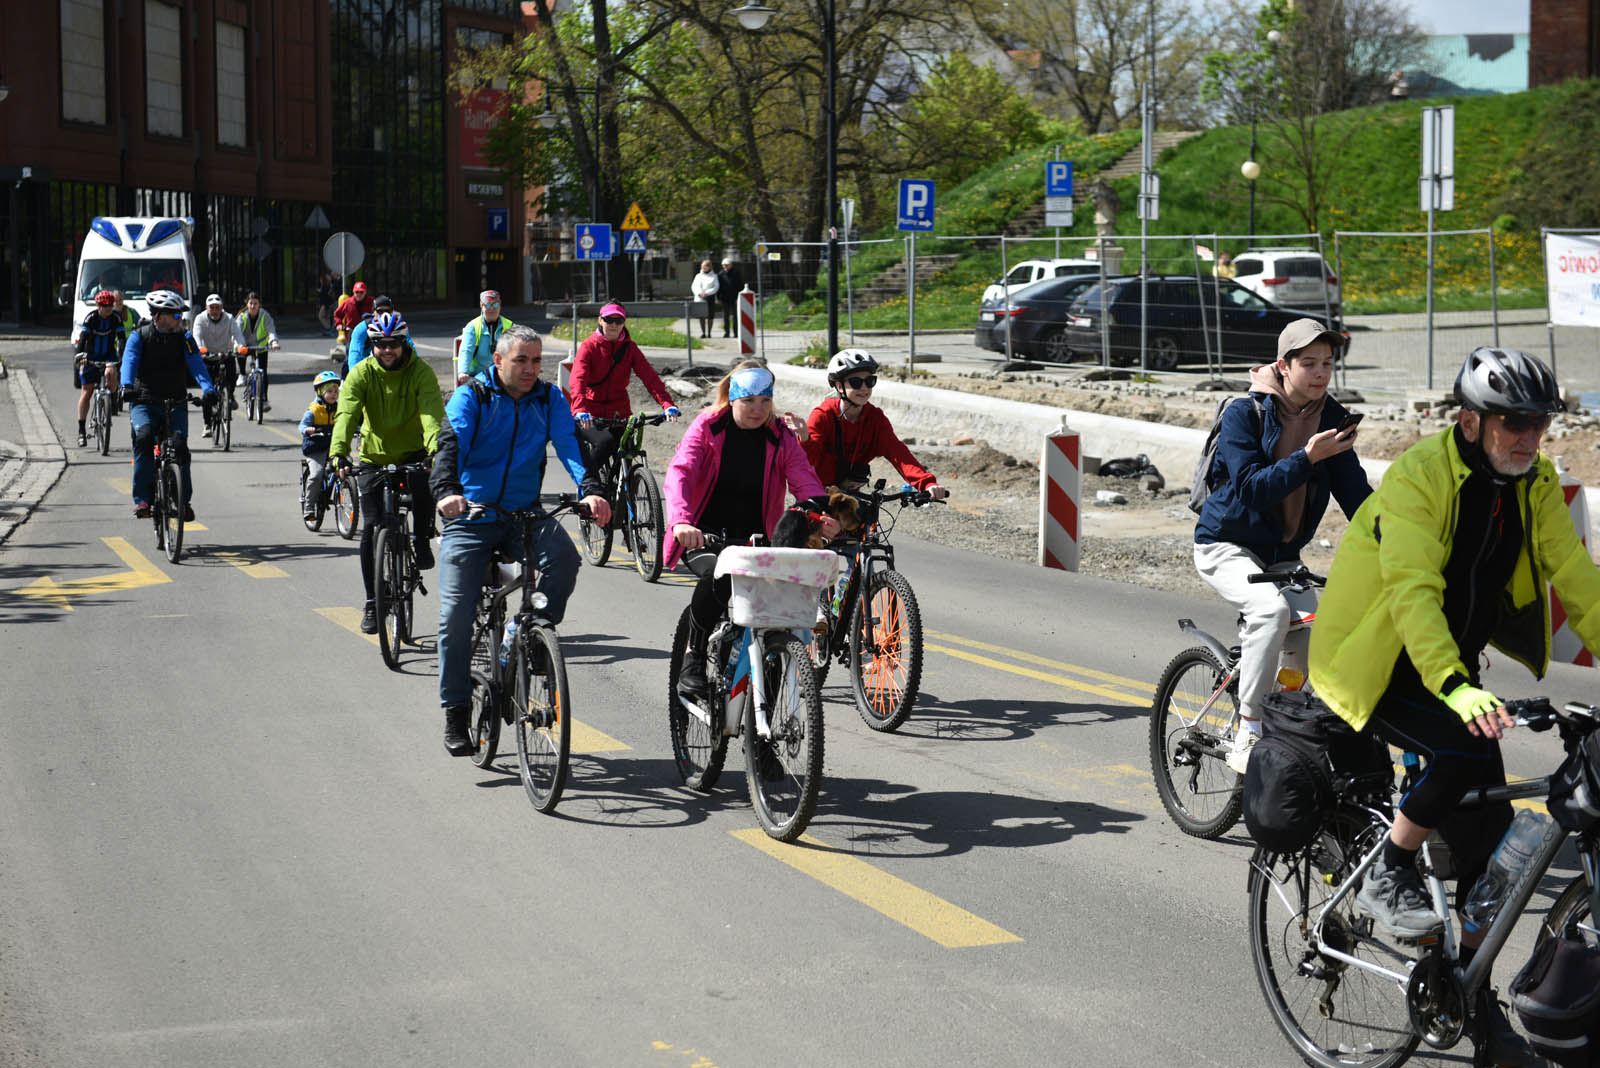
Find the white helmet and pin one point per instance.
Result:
(166, 300)
(849, 361)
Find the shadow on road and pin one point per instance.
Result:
(987, 719)
(619, 791)
(606, 649)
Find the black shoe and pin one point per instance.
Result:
(188, 514)
(692, 678)
(369, 619)
(457, 741)
(424, 554)
(83, 439)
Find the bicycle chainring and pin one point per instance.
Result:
(1435, 1002)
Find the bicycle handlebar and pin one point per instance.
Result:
(564, 503)
(1300, 576)
(608, 423)
(905, 495)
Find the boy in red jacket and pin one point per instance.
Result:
(598, 385)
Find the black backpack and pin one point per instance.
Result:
(1557, 998)
(1291, 782)
(1203, 487)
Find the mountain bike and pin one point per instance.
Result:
(1196, 712)
(1345, 993)
(761, 685)
(396, 579)
(335, 491)
(166, 504)
(527, 689)
(635, 497)
(883, 642)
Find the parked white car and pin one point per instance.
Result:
(1028, 272)
(1289, 278)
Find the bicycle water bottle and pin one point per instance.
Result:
(845, 570)
(508, 642)
(1511, 864)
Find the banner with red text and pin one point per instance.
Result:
(1572, 272)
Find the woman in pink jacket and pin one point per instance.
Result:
(730, 476)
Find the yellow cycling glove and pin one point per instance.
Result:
(1469, 702)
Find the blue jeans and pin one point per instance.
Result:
(464, 552)
(146, 421)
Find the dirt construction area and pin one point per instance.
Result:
(1146, 536)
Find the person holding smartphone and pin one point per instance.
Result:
(1280, 456)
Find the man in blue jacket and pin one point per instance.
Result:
(1281, 454)
(160, 359)
(492, 451)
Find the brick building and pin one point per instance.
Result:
(1564, 40)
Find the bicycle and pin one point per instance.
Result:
(166, 505)
(222, 415)
(254, 384)
(883, 643)
(101, 406)
(336, 491)
(1194, 717)
(528, 689)
(396, 578)
(761, 683)
(635, 497)
(1393, 993)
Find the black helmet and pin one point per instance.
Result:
(1507, 382)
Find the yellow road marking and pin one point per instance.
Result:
(252, 567)
(348, 618)
(284, 434)
(124, 486)
(195, 526)
(933, 917)
(141, 572)
(1029, 658)
(1058, 680)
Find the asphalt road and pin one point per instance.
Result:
(232, 836)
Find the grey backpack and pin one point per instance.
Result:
(1202, 487)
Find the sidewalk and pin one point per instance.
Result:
(31, 456)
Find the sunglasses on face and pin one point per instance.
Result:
(492, 305)
(386, 343)
(1521, 424)
(613, 319)
(863, 382)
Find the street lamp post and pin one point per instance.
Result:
(549, 120)
(1250, 168)
(752, 16)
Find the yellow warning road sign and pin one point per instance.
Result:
(635, 219)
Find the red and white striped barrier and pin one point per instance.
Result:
(1060, 488)
(747, 322)
(1565, 645)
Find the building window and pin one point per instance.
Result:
(232, 124)
(163, 64)
(83, 51)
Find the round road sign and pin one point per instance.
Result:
(586, 241)
(344, 253)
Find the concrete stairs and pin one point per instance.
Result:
(891, 283)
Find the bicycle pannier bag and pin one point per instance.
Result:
(1574, 800)
(1557, 998)
(1201, 487)
(1289, 782)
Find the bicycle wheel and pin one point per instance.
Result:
(388, 593)
(172, 490)
(697, 750)
(541, 709)
(1200, 792)
(260, 406)
(1334, 1014)
(102, 422)
(595, 541)
(1569, 910)
(785, 769)
(821, 646)
(484, 728)
(886, 651)
(222, 432)
(249, 399)
(346, 506)
(646, 521)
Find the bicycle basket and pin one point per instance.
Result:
(1557, 998)
(776, 587)
(1574, 800)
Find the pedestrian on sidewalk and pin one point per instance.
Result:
(729, 283)
(704, 288)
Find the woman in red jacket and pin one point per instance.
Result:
(847, 431)
(598, 386)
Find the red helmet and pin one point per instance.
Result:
(105, 298)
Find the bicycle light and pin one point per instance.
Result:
(539, 601)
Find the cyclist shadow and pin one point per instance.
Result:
(993, 719)
(606, 649)
(879, 817)
(618, 791)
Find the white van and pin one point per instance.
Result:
(137, 256)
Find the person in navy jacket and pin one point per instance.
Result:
(492, 451)
(1280, 457)
(157, 364)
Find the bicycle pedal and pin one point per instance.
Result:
(422, 589)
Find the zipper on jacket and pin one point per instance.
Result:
(505, 474)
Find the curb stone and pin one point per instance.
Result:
(31, 467)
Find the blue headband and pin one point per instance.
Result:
(750, 382)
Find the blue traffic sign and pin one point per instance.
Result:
(499, 221)
(916, 204)
(1058, 178)
(635, 241)
(594, 241)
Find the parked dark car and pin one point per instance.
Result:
(1180, 329)
(1035, 319)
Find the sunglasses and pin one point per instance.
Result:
(864, 382)
(387, 343)
(612, 319)
(492, 304)
(1521, 424)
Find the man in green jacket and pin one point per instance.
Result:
(1456, 550)
(396, 400)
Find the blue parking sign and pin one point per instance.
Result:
(916, 204)
(499, 223)
(594, 241)
(1058, 178)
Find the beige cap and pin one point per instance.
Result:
(1302, 332)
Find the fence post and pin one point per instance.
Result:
(1004, 270)
(1494, 291)
(1060, 488)
(688, 335)
(1341, 366)
(747, 321)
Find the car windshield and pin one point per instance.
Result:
(135, 278)
(1301, 267)
(1091, 297)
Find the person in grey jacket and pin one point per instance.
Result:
(220, 341)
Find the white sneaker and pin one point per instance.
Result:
(1239, 755)
(239, 381)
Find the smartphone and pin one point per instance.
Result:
(1350, 422)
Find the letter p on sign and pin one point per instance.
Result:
(916, 204)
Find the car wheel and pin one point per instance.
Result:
(1163, 353)
(1054, 349)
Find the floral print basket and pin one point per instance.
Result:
(776, 587)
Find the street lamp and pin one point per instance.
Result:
(752, 16)
(549, 120)
(1250, 168)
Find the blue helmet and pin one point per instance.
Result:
(388, 324)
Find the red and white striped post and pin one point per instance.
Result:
(1565, 645)
(747, 322)
(1060, 487)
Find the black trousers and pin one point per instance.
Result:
(369, 490)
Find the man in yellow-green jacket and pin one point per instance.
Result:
(394, 398)
(1456, 550)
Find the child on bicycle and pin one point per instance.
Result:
(598, 386)
(729, 476)
(1274, 474)
(847, 431)
(316, 432)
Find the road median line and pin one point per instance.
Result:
(1137, 685)
(1041, 676)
